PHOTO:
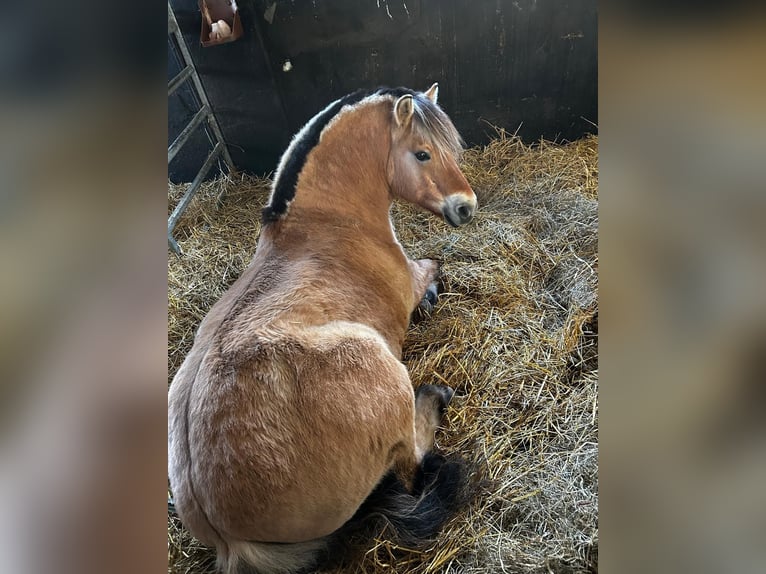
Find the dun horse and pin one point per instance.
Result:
(293, 405)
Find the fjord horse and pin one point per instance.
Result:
(293, 406)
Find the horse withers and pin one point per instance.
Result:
(292, 415)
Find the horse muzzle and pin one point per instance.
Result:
(458, 209)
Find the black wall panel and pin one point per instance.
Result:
(529, 65)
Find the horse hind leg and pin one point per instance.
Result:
(426, 488)
(431, 402)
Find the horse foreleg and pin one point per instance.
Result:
(425, 273)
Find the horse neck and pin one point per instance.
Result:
(344, 177)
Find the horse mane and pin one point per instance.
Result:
(429, 119)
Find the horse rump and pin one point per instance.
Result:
(411, 519)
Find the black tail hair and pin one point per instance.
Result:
(411, 519)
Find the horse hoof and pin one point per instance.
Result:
(447, 394)
(431, 296)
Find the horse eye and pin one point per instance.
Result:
(422, 155)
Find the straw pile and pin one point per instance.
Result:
(515, 334)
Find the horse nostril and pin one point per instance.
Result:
(457, 210)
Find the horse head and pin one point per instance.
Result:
(423, 161)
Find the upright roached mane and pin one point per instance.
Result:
(291, 164)
(429, 120)
(292, 419)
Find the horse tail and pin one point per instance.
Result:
(412, 519)
(271, 558)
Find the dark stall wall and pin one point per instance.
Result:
(529, 65)
(241, 91)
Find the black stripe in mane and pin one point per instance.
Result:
(287, 179)
(397, 92)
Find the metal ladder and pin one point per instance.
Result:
(205, 114)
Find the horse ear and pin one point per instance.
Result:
(433, 92)
(403, 110)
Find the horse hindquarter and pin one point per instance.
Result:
(179, 459)
(289, 446)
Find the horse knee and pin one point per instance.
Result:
(431, 402)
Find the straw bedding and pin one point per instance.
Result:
(515, 333)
